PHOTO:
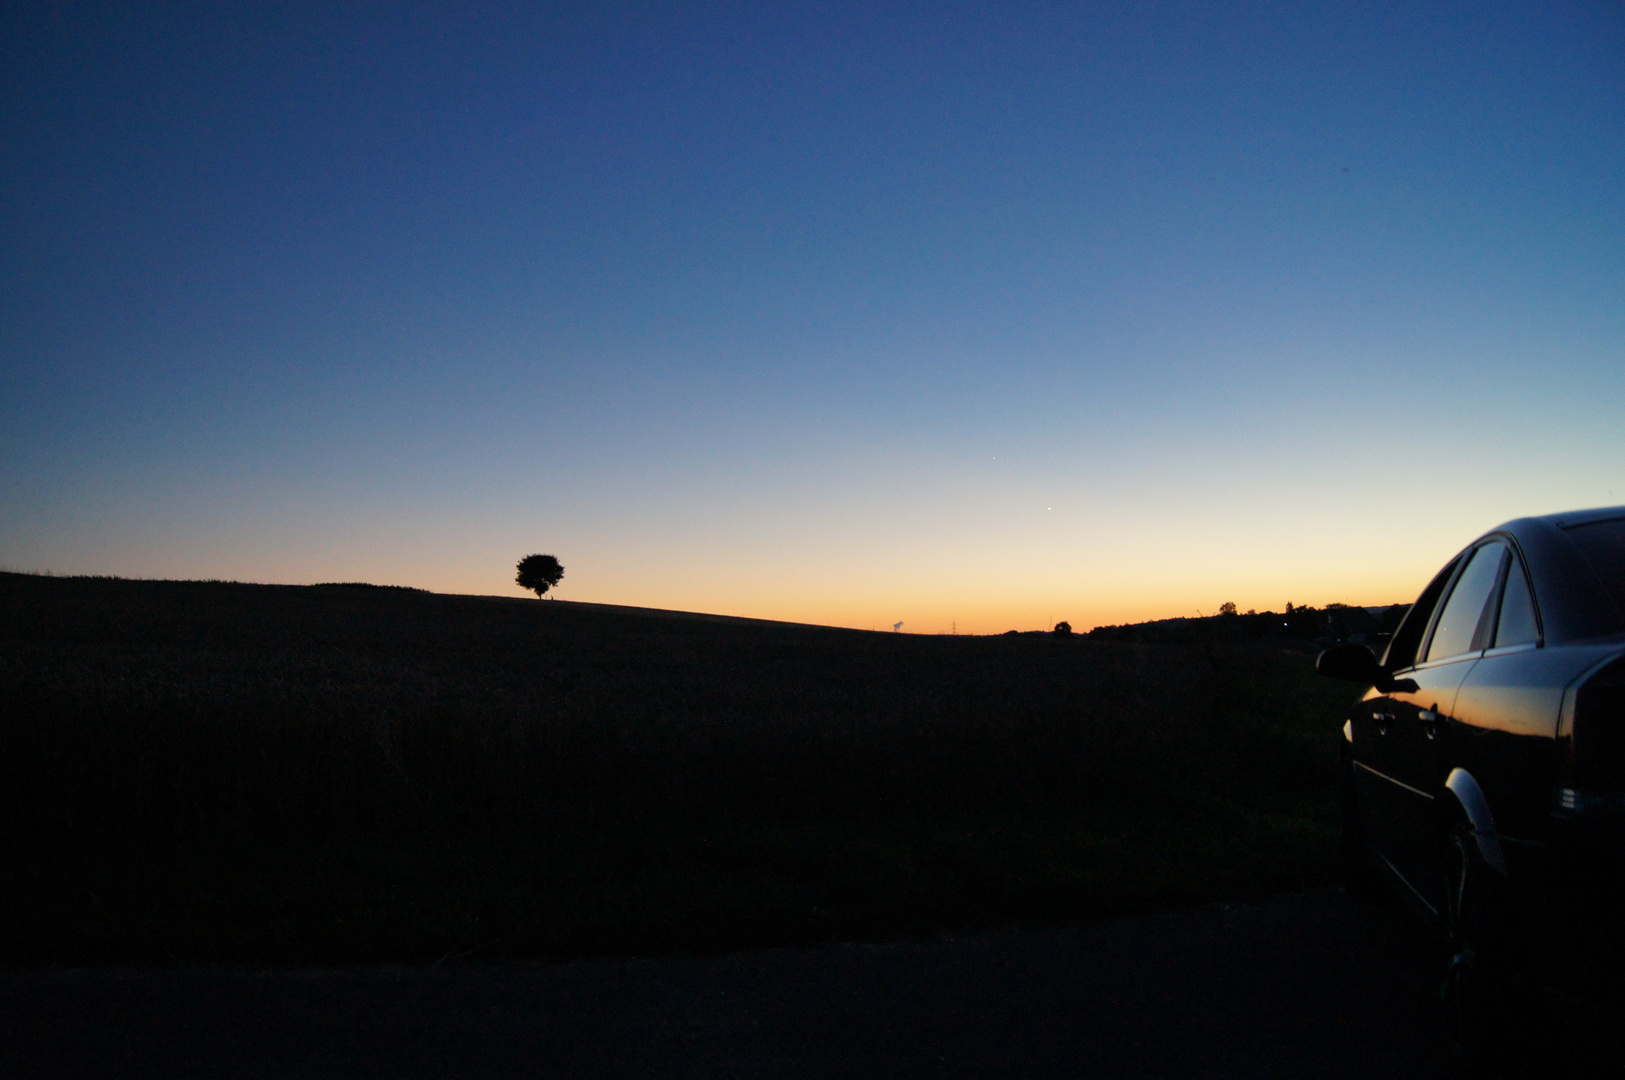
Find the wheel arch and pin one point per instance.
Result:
(1462, 790)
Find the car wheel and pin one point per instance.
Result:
(1360, 875)
(1479, 1025)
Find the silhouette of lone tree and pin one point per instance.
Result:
(539, 573)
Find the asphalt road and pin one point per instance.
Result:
(1312, 985)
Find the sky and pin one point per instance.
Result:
(973, 316)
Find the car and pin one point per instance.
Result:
(1483, 774)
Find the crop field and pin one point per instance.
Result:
(202, 772)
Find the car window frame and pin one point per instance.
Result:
(1422, 609)
(1462, 562)
(1515, 562)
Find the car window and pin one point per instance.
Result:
(1407, 639)
(1516, 624)
(1458, 622)
(1603, 544)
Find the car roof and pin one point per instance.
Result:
(1572, 518)
(1575, 603)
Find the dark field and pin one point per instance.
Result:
(207, 772)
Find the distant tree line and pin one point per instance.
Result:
(1334, 622)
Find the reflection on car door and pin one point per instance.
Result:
(1418, 719)
(1371, 750)
(1415, 741)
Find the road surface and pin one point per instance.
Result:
(1310, 985)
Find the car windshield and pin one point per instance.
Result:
(1603, 544)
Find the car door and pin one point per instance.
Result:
(1504, 724)
(1372, 743)
(1419, 712)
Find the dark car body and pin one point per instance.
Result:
(1485, 768)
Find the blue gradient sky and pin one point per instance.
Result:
(974, 315)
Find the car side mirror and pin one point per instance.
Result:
(1351, 663)
(1356, 663)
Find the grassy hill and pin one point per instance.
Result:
(219, 772)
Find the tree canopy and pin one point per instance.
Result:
(539, 573)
